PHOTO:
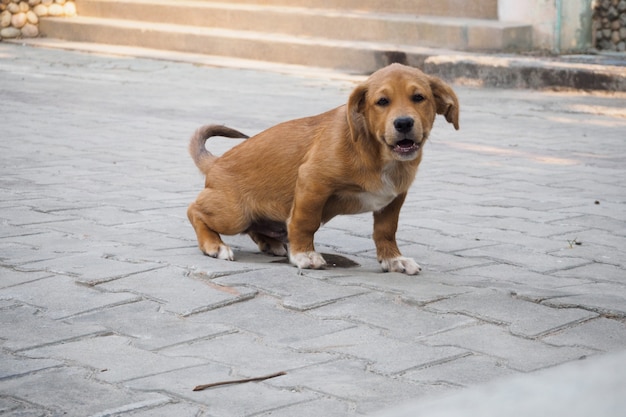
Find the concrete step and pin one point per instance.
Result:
(479, 9)
(354, 57)
(399, 28)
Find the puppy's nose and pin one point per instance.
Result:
(403, 124)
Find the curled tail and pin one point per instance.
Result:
(201, 157)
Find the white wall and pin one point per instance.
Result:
(558, 25)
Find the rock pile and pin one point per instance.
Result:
(20, 18)
(609, 18)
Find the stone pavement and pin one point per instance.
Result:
(107, 308)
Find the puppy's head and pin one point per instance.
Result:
(396, 106)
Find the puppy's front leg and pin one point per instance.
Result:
(385, 227)
(305, 219)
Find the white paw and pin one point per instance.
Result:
(307, 260)
(223, 252)
(401, 264)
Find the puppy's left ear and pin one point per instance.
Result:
(355, 109)
(446, 100)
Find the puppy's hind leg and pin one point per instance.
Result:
(209, 240)
(268, 244)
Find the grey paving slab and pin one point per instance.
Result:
(497, 342)
(226, 400)
(349, 379)
(464, 371)
(523, 318)
(247, 354)
(383, 354)
(42, 330)
(99, 267)
(178, 292)
(62, 297)
(14, 366)
(383, 311)
(296, 291)
(124, 361)
(43, 391)
(148, 326)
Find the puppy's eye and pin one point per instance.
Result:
(417, 98)
(382, 102)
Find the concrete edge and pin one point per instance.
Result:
(468, 69)
(593, 386)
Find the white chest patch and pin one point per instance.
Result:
(376, 200)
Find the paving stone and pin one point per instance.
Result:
(401, 320)
(123, 361)
(178, 410)
(595, 272)
(42, 330)
(62, 297)
(9, 277)
(604, 298)
(383, 354)
(43, 389)
(89, 268)
(226, 400)
(520, 256)
(603, 334)
(264, 317)
(420, 290)
(247, 354)
(468, 370)
(149, 327)
(14, 407)
(178, 292)
(296, 291)
(494, 341)
(523, 318)
(350, 379)
(511, 277)
(13, 366)
(329, 407)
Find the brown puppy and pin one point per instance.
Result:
(282, 184)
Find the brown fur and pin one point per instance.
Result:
(293, 177)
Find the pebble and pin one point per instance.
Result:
(21, 17)
(41, 10)
(18, 20)
(30, 31)
(10, 32)
(55, 9)
(5, 19)
(610, 21)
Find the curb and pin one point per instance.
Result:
(602, 72)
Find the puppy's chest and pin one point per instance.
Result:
(374, 201)
(379, 197)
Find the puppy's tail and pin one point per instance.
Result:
(201, 157)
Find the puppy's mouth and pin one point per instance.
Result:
(405, 147)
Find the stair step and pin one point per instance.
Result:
(430, 31)
(482, 9)
(351, 56)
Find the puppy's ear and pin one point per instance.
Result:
(355, 110)
(446, 99)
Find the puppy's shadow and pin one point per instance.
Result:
(332, 261)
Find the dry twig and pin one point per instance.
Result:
(238, 381)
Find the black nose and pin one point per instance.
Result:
(403, 124)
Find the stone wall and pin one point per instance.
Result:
(609, 25)
(20, 18)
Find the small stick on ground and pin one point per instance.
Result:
(238, 381)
